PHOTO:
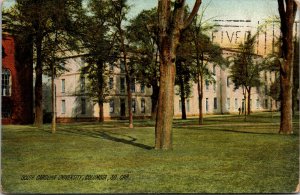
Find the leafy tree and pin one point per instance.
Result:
(184, 60)
(206, 53)
(272, 63)
(245, 71)
(171, 24)
(119, 11)
(36, 21)
(183, 77)
(52, 66)
(98, 45)
(287, 12)
(143, 37)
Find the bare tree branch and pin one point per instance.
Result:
(192, 14)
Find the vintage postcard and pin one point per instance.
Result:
(152, 96)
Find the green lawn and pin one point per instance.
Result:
(226, 155)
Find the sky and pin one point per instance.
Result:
(229, 9)
(221, 9)
(254, 10)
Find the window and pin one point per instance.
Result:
(206, 84)
(6, 109)
(122, 67)
(83, 106)
(257, 103)
(82, 84)
(266, 104)
(228, 81)
(133, 105)
(111, 106)
(215, 103)
(63, 106)
(180, 106)
(206, 104)
(132, 86)
(6, 82)
(266, 90)
(111, 83)
(143, 106)
(63, 85)
(188, 105)
(122, 83)
(214, 86)
(236, 105)
(142, 88)
(228, 104)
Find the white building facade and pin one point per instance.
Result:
(73, 103)
(219, 97)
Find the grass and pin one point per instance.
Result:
(226, 155)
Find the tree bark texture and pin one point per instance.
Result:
(287, 12)
(171, 24)
(38, 120)
(101, 114)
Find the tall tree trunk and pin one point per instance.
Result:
(53, 93)
(100, 72)
(249, 101)
(101, 113)
(170, 27)
(200, 98)
(286, 106)
(129, 97)
(128, 77)
(38, 121)
(154, 100)
(165, 112)
(287, 12)
(199, 75)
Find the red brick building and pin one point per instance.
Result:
(17, 81)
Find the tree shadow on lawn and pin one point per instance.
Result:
(222, 129)
(108, 136)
